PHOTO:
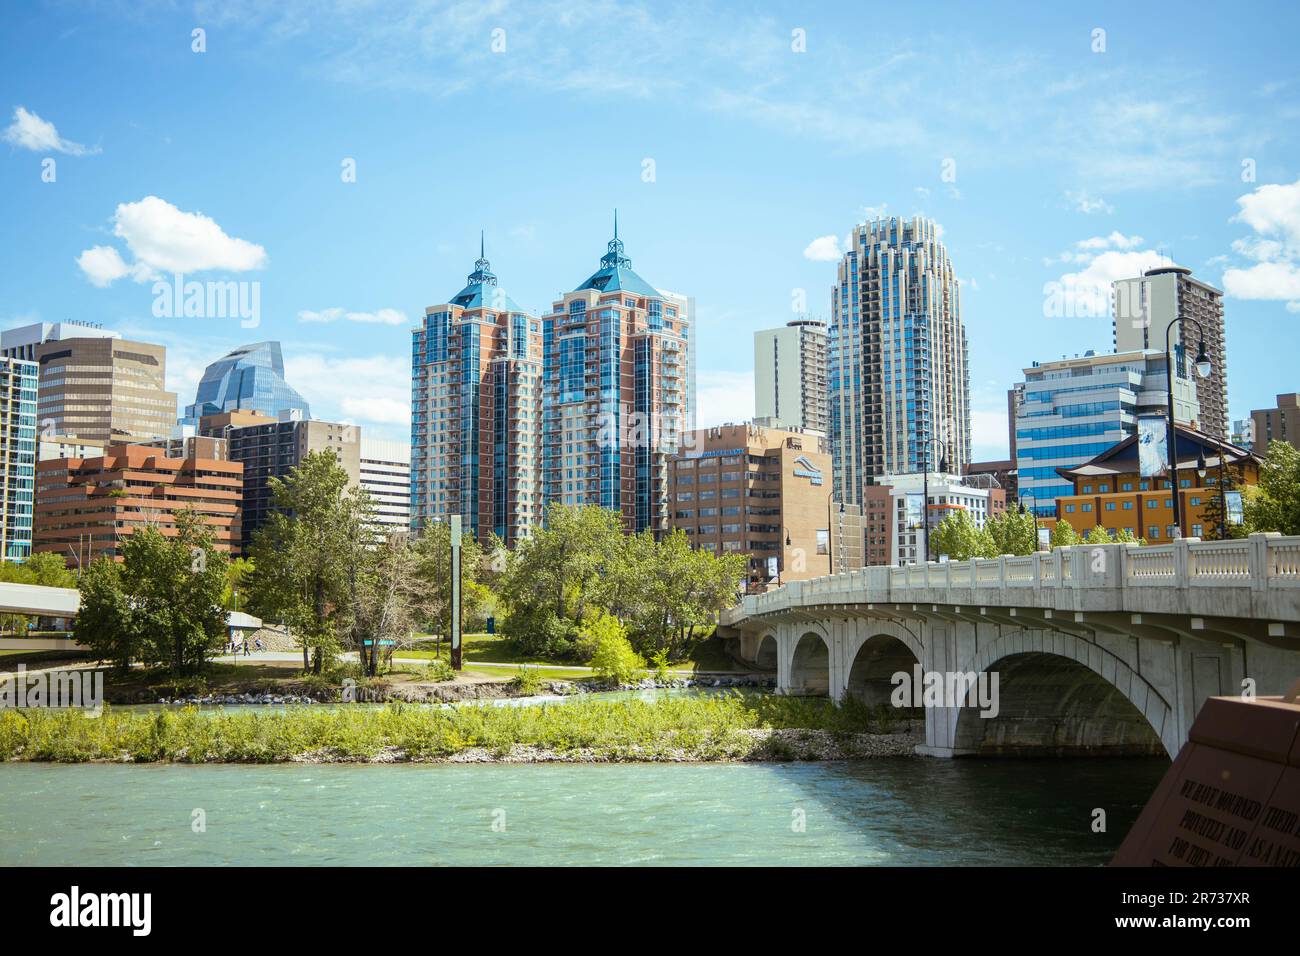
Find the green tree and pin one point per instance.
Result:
(613, 658)
(1098, 535)
(566, 566)
(667, 590)
(1064, 535)
(1274, 504)
(433, 570)
(959, 539)
(162, 603)
(104, 621)
(239, 573)
(387, 598)
(1013, 532)
(305, 557)
(1125, 536)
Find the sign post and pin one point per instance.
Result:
(455, 592)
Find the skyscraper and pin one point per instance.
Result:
(790, 376)
(386, 476)
(617, 381)
(250, 378)
(897, 357)
(476, 408)
(272, 449)
(94, 384)
(17, 456)
(1074, 409)
(1144, 307)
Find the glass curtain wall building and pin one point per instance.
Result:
(1074, 409)
(476, 404)
(251, 378)
(617, 392)
(18, 381)
(896, 351)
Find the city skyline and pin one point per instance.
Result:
(1057, 156)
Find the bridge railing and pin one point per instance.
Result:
(1258, 561)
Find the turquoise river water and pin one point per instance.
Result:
(874, 812)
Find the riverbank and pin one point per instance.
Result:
(727, 726)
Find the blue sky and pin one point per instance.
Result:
(1078, 157)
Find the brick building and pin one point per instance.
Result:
(87, 506)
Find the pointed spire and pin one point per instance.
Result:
(482, 268)
(613, 257)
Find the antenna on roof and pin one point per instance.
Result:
(481, 254)
(615, 222)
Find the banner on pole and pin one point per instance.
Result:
(1153, 446)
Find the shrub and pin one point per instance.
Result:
(613, 658)
(540, 633)
(528, 682)
(438, 671)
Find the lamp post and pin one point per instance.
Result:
(780, 568)
(1223, 495)
(1203, 369)
(1033, 511)
(925, 486)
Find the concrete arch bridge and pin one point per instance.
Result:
(1106, 649)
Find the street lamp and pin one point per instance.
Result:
(925, 486)
(780, 567)
(1203, 369)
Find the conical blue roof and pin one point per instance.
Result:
(615, 273)
(483, 291)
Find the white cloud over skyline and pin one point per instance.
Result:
(163, 239)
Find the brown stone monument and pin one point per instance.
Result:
(1232, 796)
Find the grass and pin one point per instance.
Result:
(495, 649)
(707, 727)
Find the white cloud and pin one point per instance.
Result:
(1272, 211)
(378, 317)
(29, 131)
(362, 390)
(1086, 204)
(1265, 280)
(102, 265)
(1086, 292)
(723, 397)
(824, 249)
(163, 239)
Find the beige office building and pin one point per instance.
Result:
(790, 376)
(764, 492)
(94, 385)
(1144, 306)
(1276, 424)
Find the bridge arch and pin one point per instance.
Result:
(768, 651)
(1061, 694)
(810, 661)
(875, 656)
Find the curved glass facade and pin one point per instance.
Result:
(251, 378)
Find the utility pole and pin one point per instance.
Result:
(455, 593)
